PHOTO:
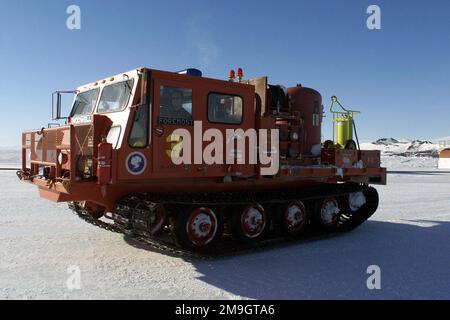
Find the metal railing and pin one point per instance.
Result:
(63, 151)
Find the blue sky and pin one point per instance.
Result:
(399, 76)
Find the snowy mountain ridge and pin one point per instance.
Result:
(404, 147)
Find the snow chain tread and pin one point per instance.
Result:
(127, 217)
(151, 241)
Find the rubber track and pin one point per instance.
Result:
(131, 220)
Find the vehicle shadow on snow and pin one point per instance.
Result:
(414, 262)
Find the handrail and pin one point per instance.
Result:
(346, 113)
(335, 100)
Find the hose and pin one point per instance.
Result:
(356, 134)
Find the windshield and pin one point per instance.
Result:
(115, 96)
(85, 102)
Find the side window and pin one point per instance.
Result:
(225, 108)
(115, 96)
(175, 105)
(139, 131)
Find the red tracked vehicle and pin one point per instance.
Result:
(114, 160)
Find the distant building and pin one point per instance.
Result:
(444, 159)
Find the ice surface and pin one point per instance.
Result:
(408, 238)
(10, 157)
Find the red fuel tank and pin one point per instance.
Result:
(308, 104)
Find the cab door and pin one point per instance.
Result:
(172, 108)
(230, 107)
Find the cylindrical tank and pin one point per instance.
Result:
(344, 130)
(307, 103)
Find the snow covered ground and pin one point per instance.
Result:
(408, 238)
(10, 157)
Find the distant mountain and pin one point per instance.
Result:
(385, 141)
(404, 147)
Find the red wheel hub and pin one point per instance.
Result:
(201, 227)
(295, 216)
(329, 212)
(253, 220)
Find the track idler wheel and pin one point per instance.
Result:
(89, 208)
(326, 213)
(160, 218)
(149, 219)
(293, 218)
(359, 207)
(198, 229)
(249, 223)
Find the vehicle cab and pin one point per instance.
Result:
(143, 107)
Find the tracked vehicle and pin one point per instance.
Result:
(121, 161)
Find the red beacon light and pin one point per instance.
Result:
(232, 75)
(240, 74)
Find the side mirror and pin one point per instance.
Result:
(56, 104)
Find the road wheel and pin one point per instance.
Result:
(294, 218)
(360, 205)
(198, 229)
(326, 214)
(160, 219)
(250, 222)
